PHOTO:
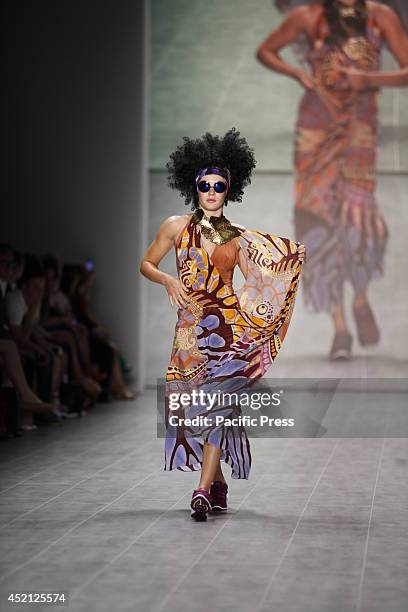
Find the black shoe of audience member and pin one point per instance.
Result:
(105, 397)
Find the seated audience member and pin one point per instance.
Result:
(101, 352)
(79, 293)
(57, 315)
(44, 360)
(35, 342)
(29, 402)
(10, 356)
(48, 334)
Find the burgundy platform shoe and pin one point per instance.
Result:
(200, 504)
(218, 495)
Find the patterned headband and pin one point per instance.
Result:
(224, 172)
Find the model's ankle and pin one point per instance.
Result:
(341, 329)
(360, 300)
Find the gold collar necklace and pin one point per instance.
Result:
(217, 229)
(346, 11)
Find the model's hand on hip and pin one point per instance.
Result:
(176, 292)
(305, 79)
(359, 80)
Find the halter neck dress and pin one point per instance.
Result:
(336, 213)
(225, 339)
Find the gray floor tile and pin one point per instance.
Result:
(293, 539)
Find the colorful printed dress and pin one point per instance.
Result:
(225, 339)
(336, 214)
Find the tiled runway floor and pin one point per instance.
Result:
(86, 508)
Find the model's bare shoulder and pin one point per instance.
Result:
(380, 11)
(307, 14)
(312, 16)
(172, 226)
(375, 6)
(389, 24)
(296, 19)
(304, 18)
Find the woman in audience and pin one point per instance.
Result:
(23, 311)
(100, 336)
(29, 402)
(57, 315)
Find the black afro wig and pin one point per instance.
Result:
(229, 151)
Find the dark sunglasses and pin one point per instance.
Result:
(219, 186)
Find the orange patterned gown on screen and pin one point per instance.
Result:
(336, 214)
(225, 340)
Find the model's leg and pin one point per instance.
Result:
(214, 496)
(341, 345)
(339, 319)
(211, 460)
(360, 299)
(218, 473)
(367, 328)
(342, 341)
(201, 502)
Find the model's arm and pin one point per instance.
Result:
(397, 40)
(267, 53)
(160, 246)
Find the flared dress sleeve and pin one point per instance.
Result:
(268, 294)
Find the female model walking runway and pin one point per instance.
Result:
(224, 339)
(336, 214)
